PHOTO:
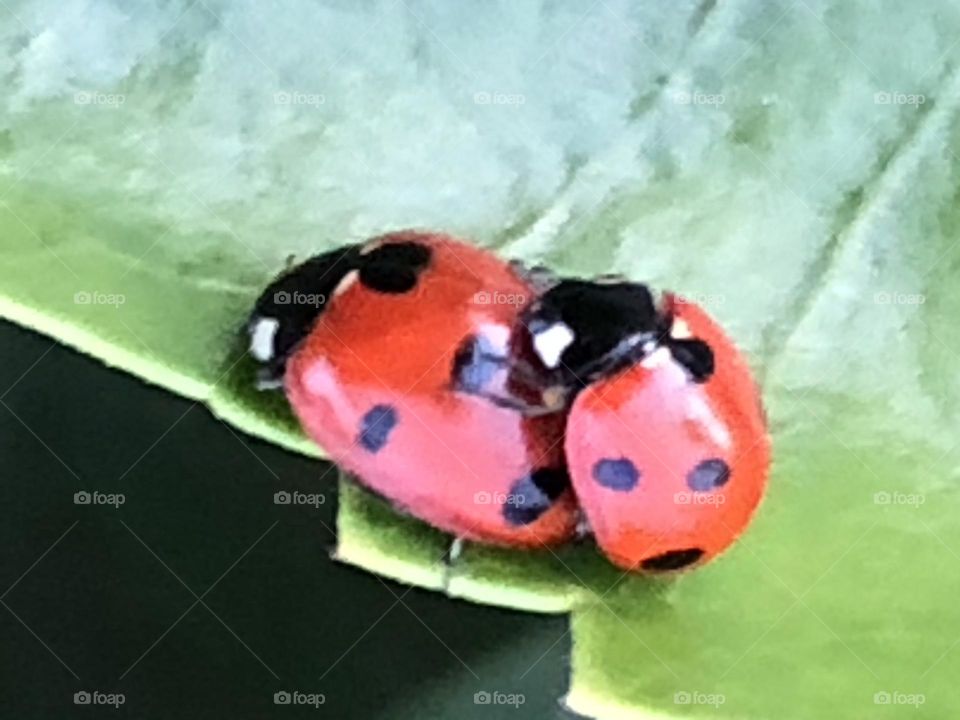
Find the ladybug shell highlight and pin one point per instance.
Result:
(390, 382)
(669, 469)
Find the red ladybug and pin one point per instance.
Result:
(666, 440)
(399, 358)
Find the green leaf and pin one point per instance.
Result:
(791, 166)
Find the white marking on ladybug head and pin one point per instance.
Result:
(680, 330)
(550, 343)
(262, 333)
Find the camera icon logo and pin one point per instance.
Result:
(81, 498)
(482, 498)
(481, 698)
(282, 298)
(282, 498)
(281, 698)
(81, 698)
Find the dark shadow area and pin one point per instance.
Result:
(198, 596)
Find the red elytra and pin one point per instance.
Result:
(667, 470)
(396, 374)
(375, 384)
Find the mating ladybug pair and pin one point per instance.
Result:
(504, 405)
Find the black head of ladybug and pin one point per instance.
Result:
(585, 330)
(287, 310)
(582, 330)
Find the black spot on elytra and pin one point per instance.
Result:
(708, 475)
(475, 364)
(672, 560)
(394, 267)
(616, 474)
(695, 356)
(531, 496)
(375, 427)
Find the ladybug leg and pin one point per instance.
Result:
(269, 379)
(583, 530)
(453, 552)
(449, 559)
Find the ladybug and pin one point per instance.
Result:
(399, 358)
(666, 440)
